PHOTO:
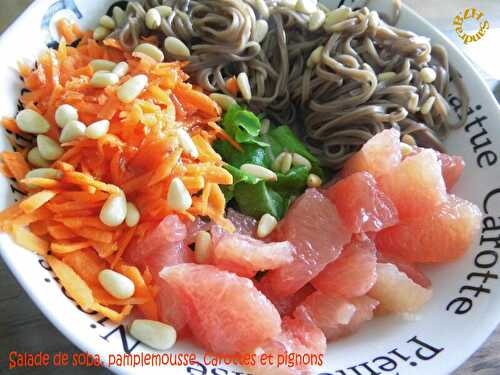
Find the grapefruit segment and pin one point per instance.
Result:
(243, 224)
(329, 312)
(396, 292)
(297, 336)
(225, 312)
(452, 167)
(441, 235)
(365, 307)
(353, 273)
(245, 255)
(285, 305)
(362, 206)
(169, 309)
(416, 187)
(379, 156)
(408, 268)
(314, 228)
(171, 229)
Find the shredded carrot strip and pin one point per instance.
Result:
(16, 164)
(232, 86)
(37, 200)
(74, 285)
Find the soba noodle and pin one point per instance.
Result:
(368, 76)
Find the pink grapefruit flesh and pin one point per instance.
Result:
(452, 167)
(379, 156)
(362, 206)
(396, 292)
(225, 312)
(245, 255)
(171, 229)
(353, 273)
(416, 187)
(297, 336)
(314, 228)
(329, 312)
(441, 235)
(365, 307)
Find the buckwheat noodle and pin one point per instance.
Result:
(368, 77)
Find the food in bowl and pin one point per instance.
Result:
(163, 189)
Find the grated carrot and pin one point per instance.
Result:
(232, 86)
(138, 157)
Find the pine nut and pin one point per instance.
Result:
(107, 22)
(32, 122)
(265, 125)
(316, 20)
(98, 65)
(36, 159)
(114, 210)
(103, 79)
(64, 114)
(299, 160)
(176, 47)
(132, 88)
(164, 10)
(261, 29)
(101, 32)
(178, 197)
(244, 86)
(97, 129)
(413, 103)
(286, 163)
(45, 173)
(386, 76)
(49, 149)
(262, 8)
(267, 224)
(116, 284)
(151, 50)
(427, 106)
(225, 101)
(428, 75)
(336, 16)
(153, 19)
(406, 149)
(133, 215)
(259, 172)
(276, 166)
(373, 19)
(157, 335)
(118, 15)
(121, 69)
(314, 181)
(409, 140)
(73, 130)
(202, 246)
(315, 57)
(306, 6)
(187, 143)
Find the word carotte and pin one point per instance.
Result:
(473, 14)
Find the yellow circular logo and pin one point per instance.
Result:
(476, 16)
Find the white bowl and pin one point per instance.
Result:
(437, 343)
